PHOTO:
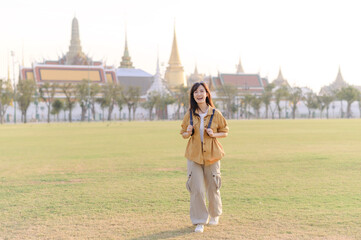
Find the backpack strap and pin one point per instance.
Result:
(210, 120)
(191, 120)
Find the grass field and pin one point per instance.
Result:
(126, 180)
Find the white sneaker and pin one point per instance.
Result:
(213, 221)
(199, 228)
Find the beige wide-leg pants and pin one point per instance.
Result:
(204, 180)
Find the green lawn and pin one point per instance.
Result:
(126, 180)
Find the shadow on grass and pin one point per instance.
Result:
(167, 234)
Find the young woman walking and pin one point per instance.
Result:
(203, 124)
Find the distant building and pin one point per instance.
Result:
(72, 67)
(195, 77)
(128, 76)
(335, 85)
(126, 63)
(174, 75)
(280, 81)
(245, 83)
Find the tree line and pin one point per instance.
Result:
(249, 105)
(87, 94)
(229, 99)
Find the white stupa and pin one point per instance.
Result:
(157, 85)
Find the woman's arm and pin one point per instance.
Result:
(216, 135)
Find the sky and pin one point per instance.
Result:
(309, 39)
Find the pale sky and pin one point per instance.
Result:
(308, 39)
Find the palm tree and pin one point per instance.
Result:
(280, 94)
(227, 94)
(246, 103)
(152, 99)
(131, 96)
(162, 105)
(295, 96)
(325, 101)
(182, 98)
(256, 103)
(349, 94)
(267, 97)
(83, 93)
(94, 91)
(111, 92)
(70, 98)
(47, 93)
(310, 101)
(25, 94)
(6, 98)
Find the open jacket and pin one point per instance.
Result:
(212, 150)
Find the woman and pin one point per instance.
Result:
(203, 154)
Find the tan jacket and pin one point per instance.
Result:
(212, 150)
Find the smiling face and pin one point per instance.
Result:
(200, 95)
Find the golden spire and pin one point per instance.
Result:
(280, 76)
(126, 63)
(239, 66)
(174, 57)
(174, 75)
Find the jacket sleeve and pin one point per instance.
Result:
(185, 123)
(222, 123)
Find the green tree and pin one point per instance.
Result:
(182, 98)
(70, 98)
(95, 89)
(57, 106)
(47, 93)
(311, 102)
(295, 96)
(131, 97)
(103, 102)
(152, 99)
(6, 98)
(325, 101)
(280, 94)
(162, 105)
(111, 93)
(25, 95)
(267, 96)
(227, 94)
(247, 98)
(256, 103)
(83, 95)
(349, 94)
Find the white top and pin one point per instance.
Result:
(201, 127)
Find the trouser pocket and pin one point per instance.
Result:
(217, 180)
(188, 183)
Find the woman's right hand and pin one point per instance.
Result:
(189, 129)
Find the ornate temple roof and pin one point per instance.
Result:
(126, 62)
(75, 55)
(174, 74)
(280, 80)
(245, 83)
(335, 85)
(157, 85)
(239, 67)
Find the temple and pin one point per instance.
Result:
(72, 67)
(174, 75)
(280, 80)
(335, 85)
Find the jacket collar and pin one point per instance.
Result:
(209, 112)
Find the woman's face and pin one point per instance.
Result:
(200, 94)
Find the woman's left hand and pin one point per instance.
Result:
(210, 132)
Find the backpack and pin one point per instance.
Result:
(191, 120)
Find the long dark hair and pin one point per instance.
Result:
(193, 104)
